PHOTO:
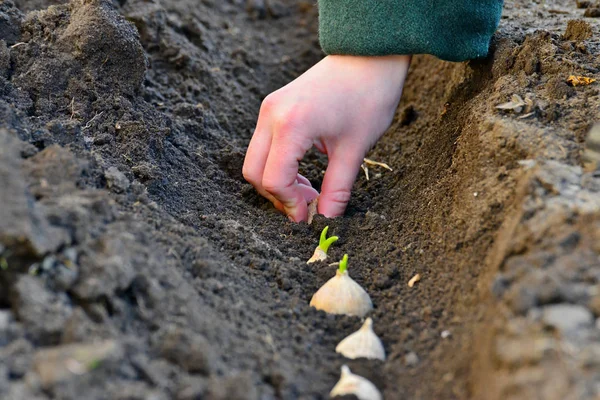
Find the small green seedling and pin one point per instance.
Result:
(343, 264)
(320, 253)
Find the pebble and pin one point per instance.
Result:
(116, 180)
(411, 359)
(567, 317)
(5, 317)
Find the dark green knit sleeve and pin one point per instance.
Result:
(453, 30)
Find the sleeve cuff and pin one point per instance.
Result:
(453, 30)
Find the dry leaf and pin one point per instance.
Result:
(515, 104)
(580, 80)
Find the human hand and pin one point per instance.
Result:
(342, 105)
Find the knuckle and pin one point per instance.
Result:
(270, 184)
(248, 174)
(269, 103)
(286, 123)
(339, 196)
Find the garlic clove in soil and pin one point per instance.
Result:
(352, 384)
(342, 295)
(320, 253)
(363, 343)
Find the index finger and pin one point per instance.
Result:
(281, 171)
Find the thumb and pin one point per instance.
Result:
(337, 183)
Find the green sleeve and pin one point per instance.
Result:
(453, 30)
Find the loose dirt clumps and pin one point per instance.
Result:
(136, 261)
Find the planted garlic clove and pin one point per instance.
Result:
(352, 384)
(320, 253)
(342, 295)
(363, 343)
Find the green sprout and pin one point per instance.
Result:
(3, 264)
(94, 364)
(343, 264)
(324, 242)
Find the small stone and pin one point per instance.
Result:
(189, 350)
(511, 352)
(5, 318)
(42, 312)
(237, 387)
(411, 359)
(18, 357)
(446, 334)
(567, 317)
(116, 180)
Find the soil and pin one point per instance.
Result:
(136, 262)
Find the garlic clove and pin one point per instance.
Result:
(318, 255)
(352, 384)
(342, 295)
(363, 343)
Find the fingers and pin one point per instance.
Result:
(337, 183)
(280, 177)
(308, 192)
(303, 180)
(256, 158)
(306, 188)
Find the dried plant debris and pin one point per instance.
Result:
(414, 280)
(367, 162)
(312, 210)
(363, 343)
(516, 104)
(575, 80)
(352, 384)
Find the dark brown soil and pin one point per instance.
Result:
(136, 263)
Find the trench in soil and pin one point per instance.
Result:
(190, 248)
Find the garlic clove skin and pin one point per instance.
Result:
(318, 255)
(342, 295)
(356, 385)
(363, 343)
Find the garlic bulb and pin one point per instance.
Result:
(363, 343)
(341, 295)
(353, 384)
(320, 253)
